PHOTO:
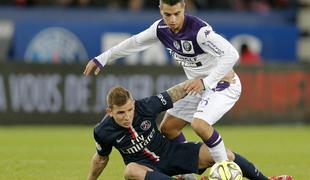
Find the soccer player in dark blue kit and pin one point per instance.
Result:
(130, 127)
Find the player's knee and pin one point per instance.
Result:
(163, 127)
(168, 129)
(170, 132)
(200, 126)
(131, 171)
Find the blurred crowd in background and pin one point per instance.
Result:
(263, 28)
(238, 5)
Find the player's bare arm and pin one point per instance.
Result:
(98, 163)
(229, 77)
(194, 86)
(177, 92)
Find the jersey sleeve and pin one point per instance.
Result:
(103, 148)
(156, 104)
(132, 45)
(218, 47)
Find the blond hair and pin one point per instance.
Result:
(118, 96)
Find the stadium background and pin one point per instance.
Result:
(45, 45)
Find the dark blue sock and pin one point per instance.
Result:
(180, 138)
(155, 175)
(248, 169)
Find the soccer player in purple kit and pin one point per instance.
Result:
(207, 59)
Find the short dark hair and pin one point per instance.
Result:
(170, 2)
(118, 96)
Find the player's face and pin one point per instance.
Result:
(123, 115)
(173, 15)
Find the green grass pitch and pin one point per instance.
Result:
(64, 152)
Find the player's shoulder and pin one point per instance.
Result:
(159, 24)
(195, 22)
(162, 99)
(105, 126)
(142, 105)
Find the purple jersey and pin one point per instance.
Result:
(184, 42)
(196, 47)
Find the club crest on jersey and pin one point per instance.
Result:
(145, 125)
(176, 45)
(187, 47)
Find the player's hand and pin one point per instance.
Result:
(193, 86)
(89, 68)
(230, 77)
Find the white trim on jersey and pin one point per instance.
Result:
(151, 154)
(133, 132)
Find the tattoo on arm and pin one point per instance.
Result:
(176, 92)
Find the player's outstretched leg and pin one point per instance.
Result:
(248, 169)
(251, 172)
(211, 138)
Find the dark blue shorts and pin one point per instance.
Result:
(180, 158)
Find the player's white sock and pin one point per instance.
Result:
(216, 147)
(218, 152)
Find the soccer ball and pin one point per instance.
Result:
(225, 170)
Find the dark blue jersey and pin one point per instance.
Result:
(142, 141)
